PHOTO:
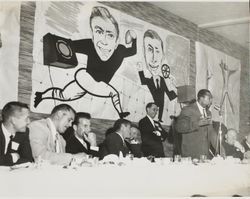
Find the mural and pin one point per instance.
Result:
(105, 56)
(220, 74)
(92, 57)
(9, 50)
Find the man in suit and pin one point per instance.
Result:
(45, 139)
(153, 54)
(195, 125)
(115, 141)
(81, 139)
(152, 133)
(134, 142)
(14, 136)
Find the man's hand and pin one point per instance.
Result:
(129, 36)
(239, 146)
(158, 133)
(205, 121)
(90, 138)
(247, 155)
(15, 157)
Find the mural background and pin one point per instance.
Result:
(209, 75)
(71, 20)
(9, 51)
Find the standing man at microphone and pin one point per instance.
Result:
(195, 125)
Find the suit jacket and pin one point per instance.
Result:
(73, 145)
(24, 149)
(151, 143)
(135, 149)
(232, 150)
(114, 144)
(196, 139)
(157, 94)
(43, 145)
(244, 144)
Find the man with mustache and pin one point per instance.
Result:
(105, 56)
(153, 54)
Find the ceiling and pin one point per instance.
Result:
(229, 19)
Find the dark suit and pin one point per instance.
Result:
(195, 139)
(24, 149)
(114, 144)
(151, 143)
(135, 149)
(232, 150)
(73, 145)
(157, 93)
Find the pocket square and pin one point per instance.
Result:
(14, 145)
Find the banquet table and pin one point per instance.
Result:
(150, 180)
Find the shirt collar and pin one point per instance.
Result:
(52, 128)
(200, 108)
(81, 141)
(6, 133)
(121, 137)
(151, 120)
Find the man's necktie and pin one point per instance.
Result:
(9, 145)
(157, 84)
(57, 144)
(204, 113)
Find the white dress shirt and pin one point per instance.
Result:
(202, 110)
(7, 135)
(151, 120)
(55, 135)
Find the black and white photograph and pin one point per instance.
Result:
(124, 99)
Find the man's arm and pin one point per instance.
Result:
(6, 160)
(130, 37)
(112, 145)
(24, 149)
(186, 122)
(82, 45)
(171, 94)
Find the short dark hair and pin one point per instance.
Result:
(62, 107)
(81, 115)
(11, 108)
(203, 93)
(118, 123)
(153, 35)
(150, 104)
(99, 11)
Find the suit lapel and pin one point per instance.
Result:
(2, 140)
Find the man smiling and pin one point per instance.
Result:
(105, 56)
(153, 54)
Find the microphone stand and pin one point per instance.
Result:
(219, 136)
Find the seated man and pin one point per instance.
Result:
(115, 141)
(14, 137)
(81, 139)
(134, 142)
(45, 139)
(232, 146)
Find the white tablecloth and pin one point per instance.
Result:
(127, 181)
